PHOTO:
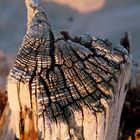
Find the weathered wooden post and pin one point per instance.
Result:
(64, 88)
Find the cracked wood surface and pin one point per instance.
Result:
(64, 88)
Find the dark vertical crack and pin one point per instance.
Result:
(52, 48)
(96, 126)
(65, 82)
(48, 95)
(83, 124)
(65, 117)
(30, 84)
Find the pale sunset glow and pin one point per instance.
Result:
(82, 6)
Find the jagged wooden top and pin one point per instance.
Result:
(65, 73)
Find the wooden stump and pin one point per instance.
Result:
(83, 124)
(65, 88)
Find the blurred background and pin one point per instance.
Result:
(104, 18)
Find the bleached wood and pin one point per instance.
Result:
(31, 6)
(82, 80)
